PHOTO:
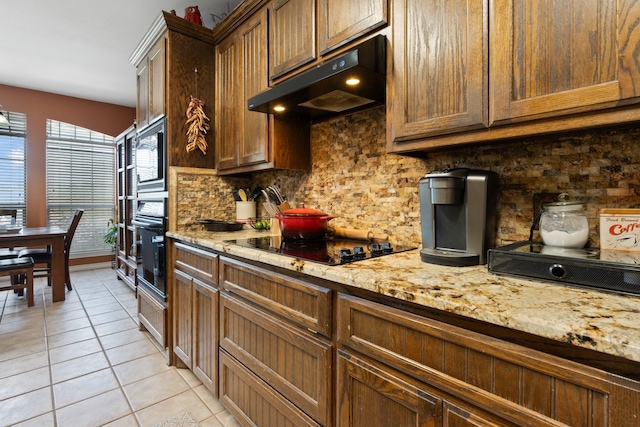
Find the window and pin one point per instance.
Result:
(80, 175)
(12, 165)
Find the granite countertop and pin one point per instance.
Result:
(597, 320)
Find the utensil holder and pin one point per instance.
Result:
(245, 210)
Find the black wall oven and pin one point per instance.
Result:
(150, 157)
(150, 223)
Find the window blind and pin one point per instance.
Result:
(80, 175)
(12, 165)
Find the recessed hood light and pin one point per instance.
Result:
(353, 80)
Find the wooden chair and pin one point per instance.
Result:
(22, 268)
(43, 255)
(6, 253)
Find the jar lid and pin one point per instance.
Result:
(563, 204)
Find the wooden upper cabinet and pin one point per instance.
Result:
(292, 35)
(241, 61)
(254, 146)
(166, 59)
(438, 80)
(248, 141)
(151, 82)
(489, 70)
(157, 71)
(142, 100)
(557, 57)
(341, 21)
(227, 82)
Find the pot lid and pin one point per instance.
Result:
(302, 211)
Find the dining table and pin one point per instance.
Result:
(40, 237)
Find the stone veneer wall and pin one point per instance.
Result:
(354, 179)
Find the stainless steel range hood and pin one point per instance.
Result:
(328, 89)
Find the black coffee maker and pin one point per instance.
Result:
(457, 211)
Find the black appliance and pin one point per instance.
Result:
(328, 251)
(150, 157)
(590, 267)
(457, 212)
(330, 88)
(150, 223)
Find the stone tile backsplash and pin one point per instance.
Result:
(355, 180)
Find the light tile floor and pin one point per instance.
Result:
(84, 362)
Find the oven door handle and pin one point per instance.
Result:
(146, 224)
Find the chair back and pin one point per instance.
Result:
(72, 230)
(9, 213)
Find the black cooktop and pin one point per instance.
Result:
(326, 251)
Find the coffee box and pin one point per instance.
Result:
(620, 229)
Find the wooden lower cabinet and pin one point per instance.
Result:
(182, 301)
(374, 395)
(262, 329)
(284, 350)
(253, 402)
(195, 301)
(515, 384)
(152, 315)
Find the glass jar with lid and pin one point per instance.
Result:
(564, 224)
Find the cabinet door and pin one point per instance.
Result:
(439, 80)
(182, 317)
(142, 102)
(295, 363)
(556, 57)
(205, 334)
(369, 396)
(253, 39)
(292, 35)
(253, 402)
(157, 72)
(227, 120)
(341, 21)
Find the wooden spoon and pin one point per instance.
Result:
(242, 194)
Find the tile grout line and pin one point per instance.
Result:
(46, 343)
(113, 372)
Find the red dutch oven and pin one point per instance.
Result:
(303, 223)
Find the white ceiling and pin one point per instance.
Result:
(81, 48)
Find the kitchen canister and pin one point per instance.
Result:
(245, 210)
(564, 224)
(620, 229)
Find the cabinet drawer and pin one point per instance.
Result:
(299, 302)
(197, 263)
(520, 384)
(252, 402)
(294, 362)
(373, 394)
